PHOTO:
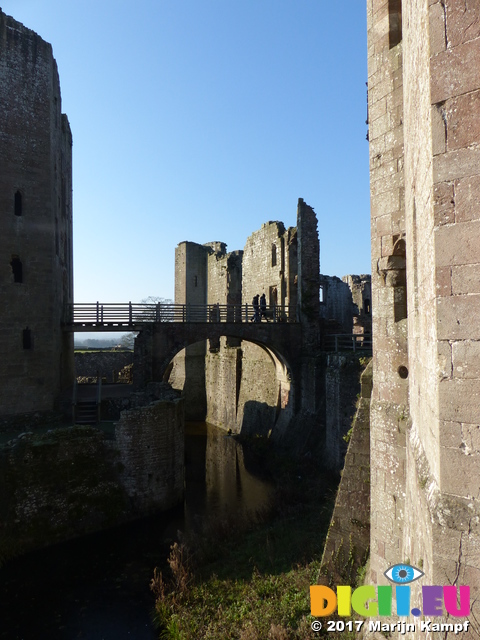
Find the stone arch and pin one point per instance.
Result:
(156, 348)
(393, 270)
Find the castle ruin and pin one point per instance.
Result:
(245, 385)
(36, 278)
(423, 92)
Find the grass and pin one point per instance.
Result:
(250, 580)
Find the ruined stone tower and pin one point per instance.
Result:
(36, 277)
(424, 92)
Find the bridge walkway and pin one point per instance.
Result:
(129, 316)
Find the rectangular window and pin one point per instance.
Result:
(17, 204)
(27, 338)
(17, 269)
(274, 255)
(395, 22)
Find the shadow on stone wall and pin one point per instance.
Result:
(347, 545)
(258, 419)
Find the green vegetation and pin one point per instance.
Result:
(250, 581)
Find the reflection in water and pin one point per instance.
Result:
(96, 588)
(217, 480)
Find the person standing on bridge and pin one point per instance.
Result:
(256, 309)
(263, 307)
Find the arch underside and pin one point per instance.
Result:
(280, 344)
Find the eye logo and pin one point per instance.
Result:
(403, 574)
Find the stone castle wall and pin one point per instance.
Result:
(36, 277)
(240, 380)
(249, 388)
(389, 402)
(188, 372)
(69, 482)
(426, 396)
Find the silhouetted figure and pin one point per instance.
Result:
(256, 309)
(263, 307)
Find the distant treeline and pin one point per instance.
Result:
(91, 343)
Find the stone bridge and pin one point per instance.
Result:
(166, 329)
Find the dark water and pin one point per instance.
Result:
(96, 588)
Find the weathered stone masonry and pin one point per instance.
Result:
(69, 482)
(424, 90)
(36, 278)
(247, 386)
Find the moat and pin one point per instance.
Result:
(97, 587)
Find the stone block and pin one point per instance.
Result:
(437, 28)
(459, 400)
(457, 244)
(467, 197)
(450, 434)
(471, 437)
(384, 225)
(459, 473)
(382, 43)
(463, 121)
(382, 124)
(455, 71)
(466, 279)
(446, 541)
(438, 131)
(463, 21)
(387, 245)
(466, 359)
(377, 109)
(383, 203)
(394, 140)
(471, 576)
(444, 351)
(379, 9)
(443, 281)
(444, 203)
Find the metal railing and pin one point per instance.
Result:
(348, 342)
(132, 314)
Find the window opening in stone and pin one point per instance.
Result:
(17, 206)
(395, 22)
(274, 255)
(321, 293)
(272, 296)
(195, 281)
(17, 269)
(400, 281)
(27, 338)
(366, 306)
(57, 241)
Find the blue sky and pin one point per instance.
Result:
(201, 119)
